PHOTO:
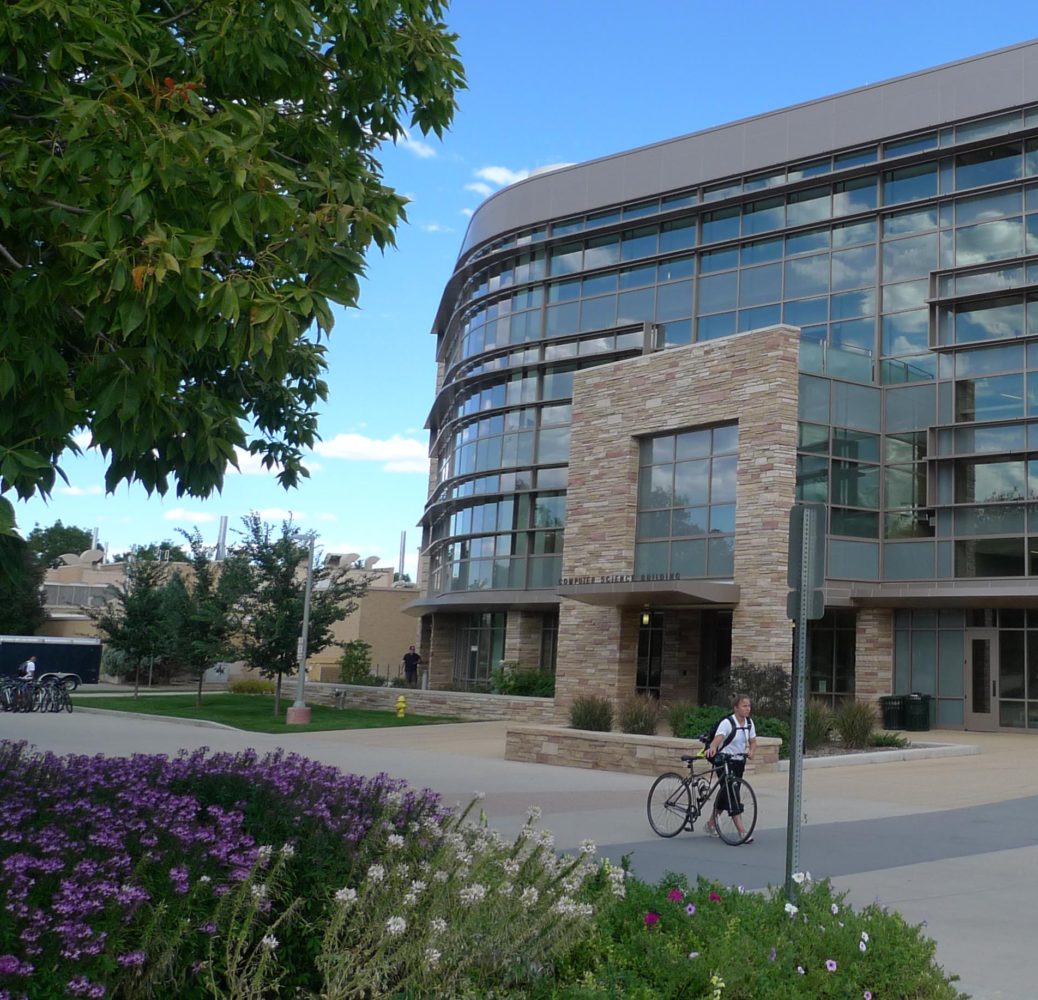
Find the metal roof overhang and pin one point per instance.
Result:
(491, 600)
(654, 593)
(951, 594)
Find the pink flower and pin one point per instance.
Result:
(867, 995)
(675, 895)
(651, 918)
(715, 898)
(830, 965)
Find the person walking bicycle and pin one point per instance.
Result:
(734, 743)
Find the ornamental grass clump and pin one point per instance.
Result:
(591, 712)
(671, 941)
(855, 722)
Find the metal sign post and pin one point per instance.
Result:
(807, 576)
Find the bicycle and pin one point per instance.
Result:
(675, 803)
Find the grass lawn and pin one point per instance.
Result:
(254, 712)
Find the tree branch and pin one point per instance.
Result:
(182, 14)
(10, 260)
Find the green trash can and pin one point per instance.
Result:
(917, 713)
(893, 708)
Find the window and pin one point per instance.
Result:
(831, 656)
(479, 649)
(686, 503)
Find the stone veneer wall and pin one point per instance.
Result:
(439, 661)
(751, 378)
(874, 654)
(463, 704)
(523, 638)
(616, 751)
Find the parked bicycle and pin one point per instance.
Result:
(48, 694)
(677, 801)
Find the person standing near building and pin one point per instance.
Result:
(411, 661)
(735, 739)
(27, 670)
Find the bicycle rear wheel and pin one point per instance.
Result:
(668, 804)
(740, 793)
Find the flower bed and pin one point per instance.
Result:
(234, 876)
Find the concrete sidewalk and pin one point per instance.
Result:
(949, 841)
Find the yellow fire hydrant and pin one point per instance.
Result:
(401, 707)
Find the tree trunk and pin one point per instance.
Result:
(137, 679)
(201, 677)
(277, 698)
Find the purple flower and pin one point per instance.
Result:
(651, 918)
(132, 959)
(772, 955)
(691, 909)
(830, 964)
(675, 895)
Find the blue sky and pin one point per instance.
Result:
(550, 81)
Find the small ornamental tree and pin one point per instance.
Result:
(187, 189)
(271, 569)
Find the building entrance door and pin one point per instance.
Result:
(981, 675)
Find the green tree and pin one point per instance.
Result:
(164, 551)
(49, 543)
(187, 189)
(200, 610)
(22, 609)
(271, 570)
(134, 622)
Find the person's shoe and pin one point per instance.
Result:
(711, 830)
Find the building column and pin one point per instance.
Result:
(438, 654)
(523, 638)
(681, 656)
(874, 654)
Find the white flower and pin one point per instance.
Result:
(693, 954)
(269, 942)
(799, 878)
(473, 893)
(288, 851)
(742, 890)
(834, 909)
(478, 796)
(440, 876)
(438, 924)
(588, 847)
(862, 946)
(505, 889)
(395, 840)
(394, 798)
(418, 885)
(510, 866)
(258, 891)
(533, 814)
(432, 956)
(204, 878)
(546, 839)
(264, 853)
(410, 899)
(529, 896)
(346, 896)
(791, 909)
(865, 936)
(376, 873)
(395, 926)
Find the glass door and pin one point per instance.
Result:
(981, 669)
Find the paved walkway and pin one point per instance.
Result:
(949, 841)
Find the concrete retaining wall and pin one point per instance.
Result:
(615, 751)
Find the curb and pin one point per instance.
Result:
(924, 752)
(203, 723)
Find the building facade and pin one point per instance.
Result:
(643, 361)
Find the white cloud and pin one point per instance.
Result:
(420, 149)
(467, 212)
(194, 516)
(82, 439)
(325, 516)
(397, 454)
(501, 176)
(480, 188)
(435, 227)
(81, 491)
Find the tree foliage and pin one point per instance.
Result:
(271, 569)
(56, 540)
(164, 551)
(187, 188)
(22, 609)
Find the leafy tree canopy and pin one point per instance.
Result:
(22, 609)
(186, 189)
(164, 551)
(47, 544)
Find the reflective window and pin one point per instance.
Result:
(909, 258)
(763, 216)
(854, 268)
(910, 183)
(989, 241)
(988, 166)
(720, 225)
(858, 195)
(1000, 397)
(991, 320)
(638, 243)
(807, 276)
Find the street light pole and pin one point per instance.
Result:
(299, 714)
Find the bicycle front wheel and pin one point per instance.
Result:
(668, 805)
(741, 811)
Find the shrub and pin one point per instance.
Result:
(250, 685)
(769, 726)
(677, 712)
(818, 723)
(855, 722)
(355, 664)
(640, 715)
(670, 941)
(591, 712)
(889, 740)
(699, 721)
(512, 679)
(769, 686)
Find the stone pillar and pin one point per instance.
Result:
(874, 654)
(523, 638)
(681, 656)
(439, 661)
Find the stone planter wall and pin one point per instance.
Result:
(616, 751)
(463, 704)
